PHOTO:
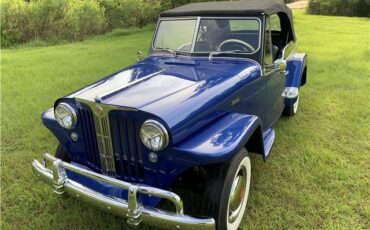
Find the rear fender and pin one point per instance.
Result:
(296, 76)
(221, 140)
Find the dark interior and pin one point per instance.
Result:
(281, 38)
(214, 32)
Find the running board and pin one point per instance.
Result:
(268, 140)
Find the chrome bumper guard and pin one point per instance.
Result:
(130, 209)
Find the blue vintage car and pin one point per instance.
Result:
(165, 141)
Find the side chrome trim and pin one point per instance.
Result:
(130, 209)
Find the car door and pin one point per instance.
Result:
(274, 81)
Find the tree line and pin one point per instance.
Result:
(23, 21)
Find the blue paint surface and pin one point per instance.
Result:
(210, 108)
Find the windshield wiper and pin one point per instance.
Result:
(218, 53)
(166, 50)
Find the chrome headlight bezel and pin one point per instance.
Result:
(69, 111)
(161, 132)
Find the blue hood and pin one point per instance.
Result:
(186, 93)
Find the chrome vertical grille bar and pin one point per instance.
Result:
(105, 146)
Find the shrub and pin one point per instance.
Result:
(113, 14)
(84, 18)
(52, 20)
(24, 21)
(359, 8)
(139, 12)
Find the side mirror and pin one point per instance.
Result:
(280, 64)
(140, 55)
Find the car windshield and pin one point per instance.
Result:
(238, 35)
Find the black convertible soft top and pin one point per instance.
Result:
(234, 8)
(229, 8)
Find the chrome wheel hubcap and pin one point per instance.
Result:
(237, 194)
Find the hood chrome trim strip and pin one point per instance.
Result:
(99, 98)
(107, 108)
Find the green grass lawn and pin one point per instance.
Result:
(318, 174)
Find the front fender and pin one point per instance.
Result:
(219, 141)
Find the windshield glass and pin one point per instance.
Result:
(212, 35)
(175, 34)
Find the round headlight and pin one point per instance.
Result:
(65, 115)
(154, 135)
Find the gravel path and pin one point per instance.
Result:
(298, 5)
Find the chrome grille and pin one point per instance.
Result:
(104, 139)
(111, 140)
(127, 146)
(88, 130)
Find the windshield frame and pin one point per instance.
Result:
(196, 31)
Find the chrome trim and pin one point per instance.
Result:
(197, 29)
(235, 200)
(103, 133)
(285, 49)
(100, 97)
(131, 209)
(104, 139)
(106, 107)
(281, 65)
(295, 105)
(74, 136)
(290, 92)
(71, 110)
(164, 131)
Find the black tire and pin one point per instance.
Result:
(218, 188)
(291, 110)
(62, 154)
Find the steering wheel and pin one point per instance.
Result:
(236, 42)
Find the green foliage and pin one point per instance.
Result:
(139, 12)
(359, 8)
(24, 21)
(113, 14)
(48, 20)
(84, 18)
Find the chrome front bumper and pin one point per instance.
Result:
(130, 209)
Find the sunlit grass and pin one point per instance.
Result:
(318, 174)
